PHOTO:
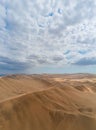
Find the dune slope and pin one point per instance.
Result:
(48, 102)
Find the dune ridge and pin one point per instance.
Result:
(48, 102)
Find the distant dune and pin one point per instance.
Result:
(48, 102)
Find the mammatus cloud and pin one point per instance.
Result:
(46, 33)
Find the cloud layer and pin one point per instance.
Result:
(46, 33)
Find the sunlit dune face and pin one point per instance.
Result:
(59, 79)
(81, 80)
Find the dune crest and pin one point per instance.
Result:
(48, 102)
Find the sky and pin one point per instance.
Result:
(47, 36)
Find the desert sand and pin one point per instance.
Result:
(48, 102)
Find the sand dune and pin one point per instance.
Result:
(48, 102)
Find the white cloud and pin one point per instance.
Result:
(41, 32)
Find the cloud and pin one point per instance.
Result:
(39, 33)
(86, 61)
(7, 64)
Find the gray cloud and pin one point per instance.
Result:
(58, 58)
(86, 61)
(8, 64)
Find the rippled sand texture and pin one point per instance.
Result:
(48, 102)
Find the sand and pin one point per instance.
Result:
(48, 102)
